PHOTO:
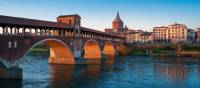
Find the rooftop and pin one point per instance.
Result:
(8, 20)
(17, 21)
(177, 24)
(146, 34)
(161, 27)
(76, 15)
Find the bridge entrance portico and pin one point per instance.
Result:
(66, 42)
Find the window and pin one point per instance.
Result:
(60, 21)
(70, 21)
(1, 30)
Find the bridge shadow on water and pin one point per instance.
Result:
(79, 76)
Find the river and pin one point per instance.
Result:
(129, 72)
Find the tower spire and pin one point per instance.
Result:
(117, 16)
(117, 22)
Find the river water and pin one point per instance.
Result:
(129, 72)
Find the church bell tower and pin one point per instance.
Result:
(117, 23)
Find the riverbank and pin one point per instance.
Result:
(166, 52)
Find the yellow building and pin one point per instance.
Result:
(177, 32)
(133, 37)
(139, 37)
(173, 33)
(146, 37)
(159, 34)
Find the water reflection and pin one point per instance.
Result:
(174, 71)
(93, 61)
(138, 72)
(92, 71)
(107, 65)
(110, 57)
(61, 75)
(198, 70)
(74, 76)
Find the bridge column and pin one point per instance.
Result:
(6, 30)
(45, 32)
(11, 30)
(62, 32)
(18, 31)
(71, 33)
(15, 31)
(36, 31)
(40, 32)
(49, 32)
(30, 31)
(23, 31)
(3, 30)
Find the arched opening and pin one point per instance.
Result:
(59, 52)
(122, 49)
(109, 50)
(1, 30)
(9, 30)
(92, 50)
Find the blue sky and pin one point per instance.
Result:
(98, 14)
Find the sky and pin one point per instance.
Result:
(99, 14)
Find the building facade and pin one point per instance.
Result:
(133, 37)
(191, 36)
(198, 35)
(146, 37)
(159, 34)
(177, 32)
(70, 19)
(139, 37)
(173, 33)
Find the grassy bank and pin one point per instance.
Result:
(40, 49)
(191, 48)
(137, 51)
(162, 50)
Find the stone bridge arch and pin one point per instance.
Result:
(91, 49)
(14, 49)
(109, 49)
(60, 53)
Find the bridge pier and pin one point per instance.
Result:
(53, 60)
(10, 73)
(60, 55)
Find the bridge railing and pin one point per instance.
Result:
(67, 35)
(17, 31)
